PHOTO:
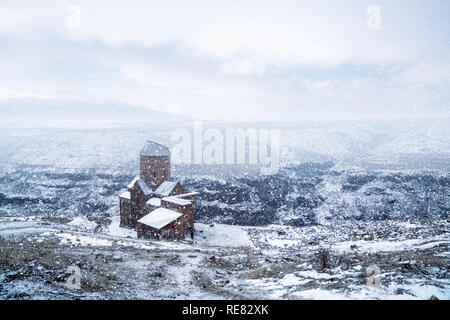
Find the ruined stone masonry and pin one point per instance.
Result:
(155, 205)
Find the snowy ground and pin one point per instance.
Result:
(349, 187)
(222, 235)
(223, 261)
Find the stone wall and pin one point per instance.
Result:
(176, 230)
(138, 200)
(126, 213)
(154, 170)
(187, 211)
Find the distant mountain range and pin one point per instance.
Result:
(62, 113)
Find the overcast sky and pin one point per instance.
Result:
(233, 59)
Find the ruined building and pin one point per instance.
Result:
(155, 205)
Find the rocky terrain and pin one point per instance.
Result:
(356, 211)
(301, 195)
(380, 260)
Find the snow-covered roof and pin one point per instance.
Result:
(177, 200)
(154, 202)
(153, 149)
(160, 218)
(125, 195)
(166, 188)
(131, 184)
(145, 188)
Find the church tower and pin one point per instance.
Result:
(154, 164)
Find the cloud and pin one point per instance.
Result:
(293, 33)
(195, 82)
(242, 67)
(426, 72)
(9, 93)
(233, 59)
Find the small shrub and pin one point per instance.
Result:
(323, 259)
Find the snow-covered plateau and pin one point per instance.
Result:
(357, 210)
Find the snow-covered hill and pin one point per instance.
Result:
(347, 196)
(353, 171)
(56, 113)
(398, 145)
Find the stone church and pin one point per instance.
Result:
(156, 205)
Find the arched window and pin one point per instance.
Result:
(164, 173)
(154, 174)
